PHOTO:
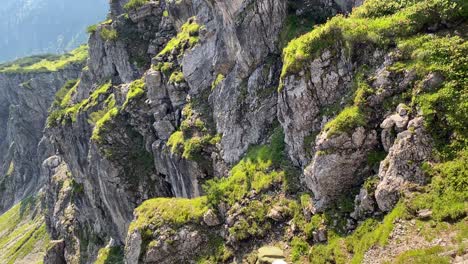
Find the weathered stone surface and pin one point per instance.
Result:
(24, 102)
(365, 204)
(403, 164)
(56, 252)
(133, 247)
(337, 164)
(211, 219)
(302, 98)
(269, 254)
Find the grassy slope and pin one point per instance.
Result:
(45, 63)
(23, 236)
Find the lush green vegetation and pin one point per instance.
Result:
(46, 63)
(108, 34)
(259, 170)
(192, 137)
(371, 24)
(351, 117)
(176, 77)
(423, 256)
(300, 248)
(135, 4)
(169, 211)
(185, 39)
(100, 127)
(136, 90)
(110, 255)
(386, 24)
(23, 233)
(64, 111)
(91, 29)
(447, 195)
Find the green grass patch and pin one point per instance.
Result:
(110, 255)
(258, 170)
(176, 77)
(135, 91)
(100, 128)
(348, 119)
(447, 195)
(185, 39)
(192, 137)
(23, 232)
(217, 81)
(169, 211)
(423, 256)
(299, 249)
(63, 110)
(368, 27)
(108, 34)
(46, 63)
(351, 248)
(135, 4)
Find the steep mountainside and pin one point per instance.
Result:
(45, 26)
(248, 131)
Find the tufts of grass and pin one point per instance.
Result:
(258, 170)
(64, 111)
(169, 211)
(185, 39)
(176, 77)
(422, 256)
(299, 249)
(219, 78)
(447, 195)
(351, 249)
(108, 34)
(135, 4)
(91, 29)
(192, 137)
(348, 119)
(135, 91)
(110, 255)
(101, 125)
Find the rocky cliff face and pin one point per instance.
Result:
(191, 135)
(25, 100)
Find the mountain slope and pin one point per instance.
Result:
(45, 26)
